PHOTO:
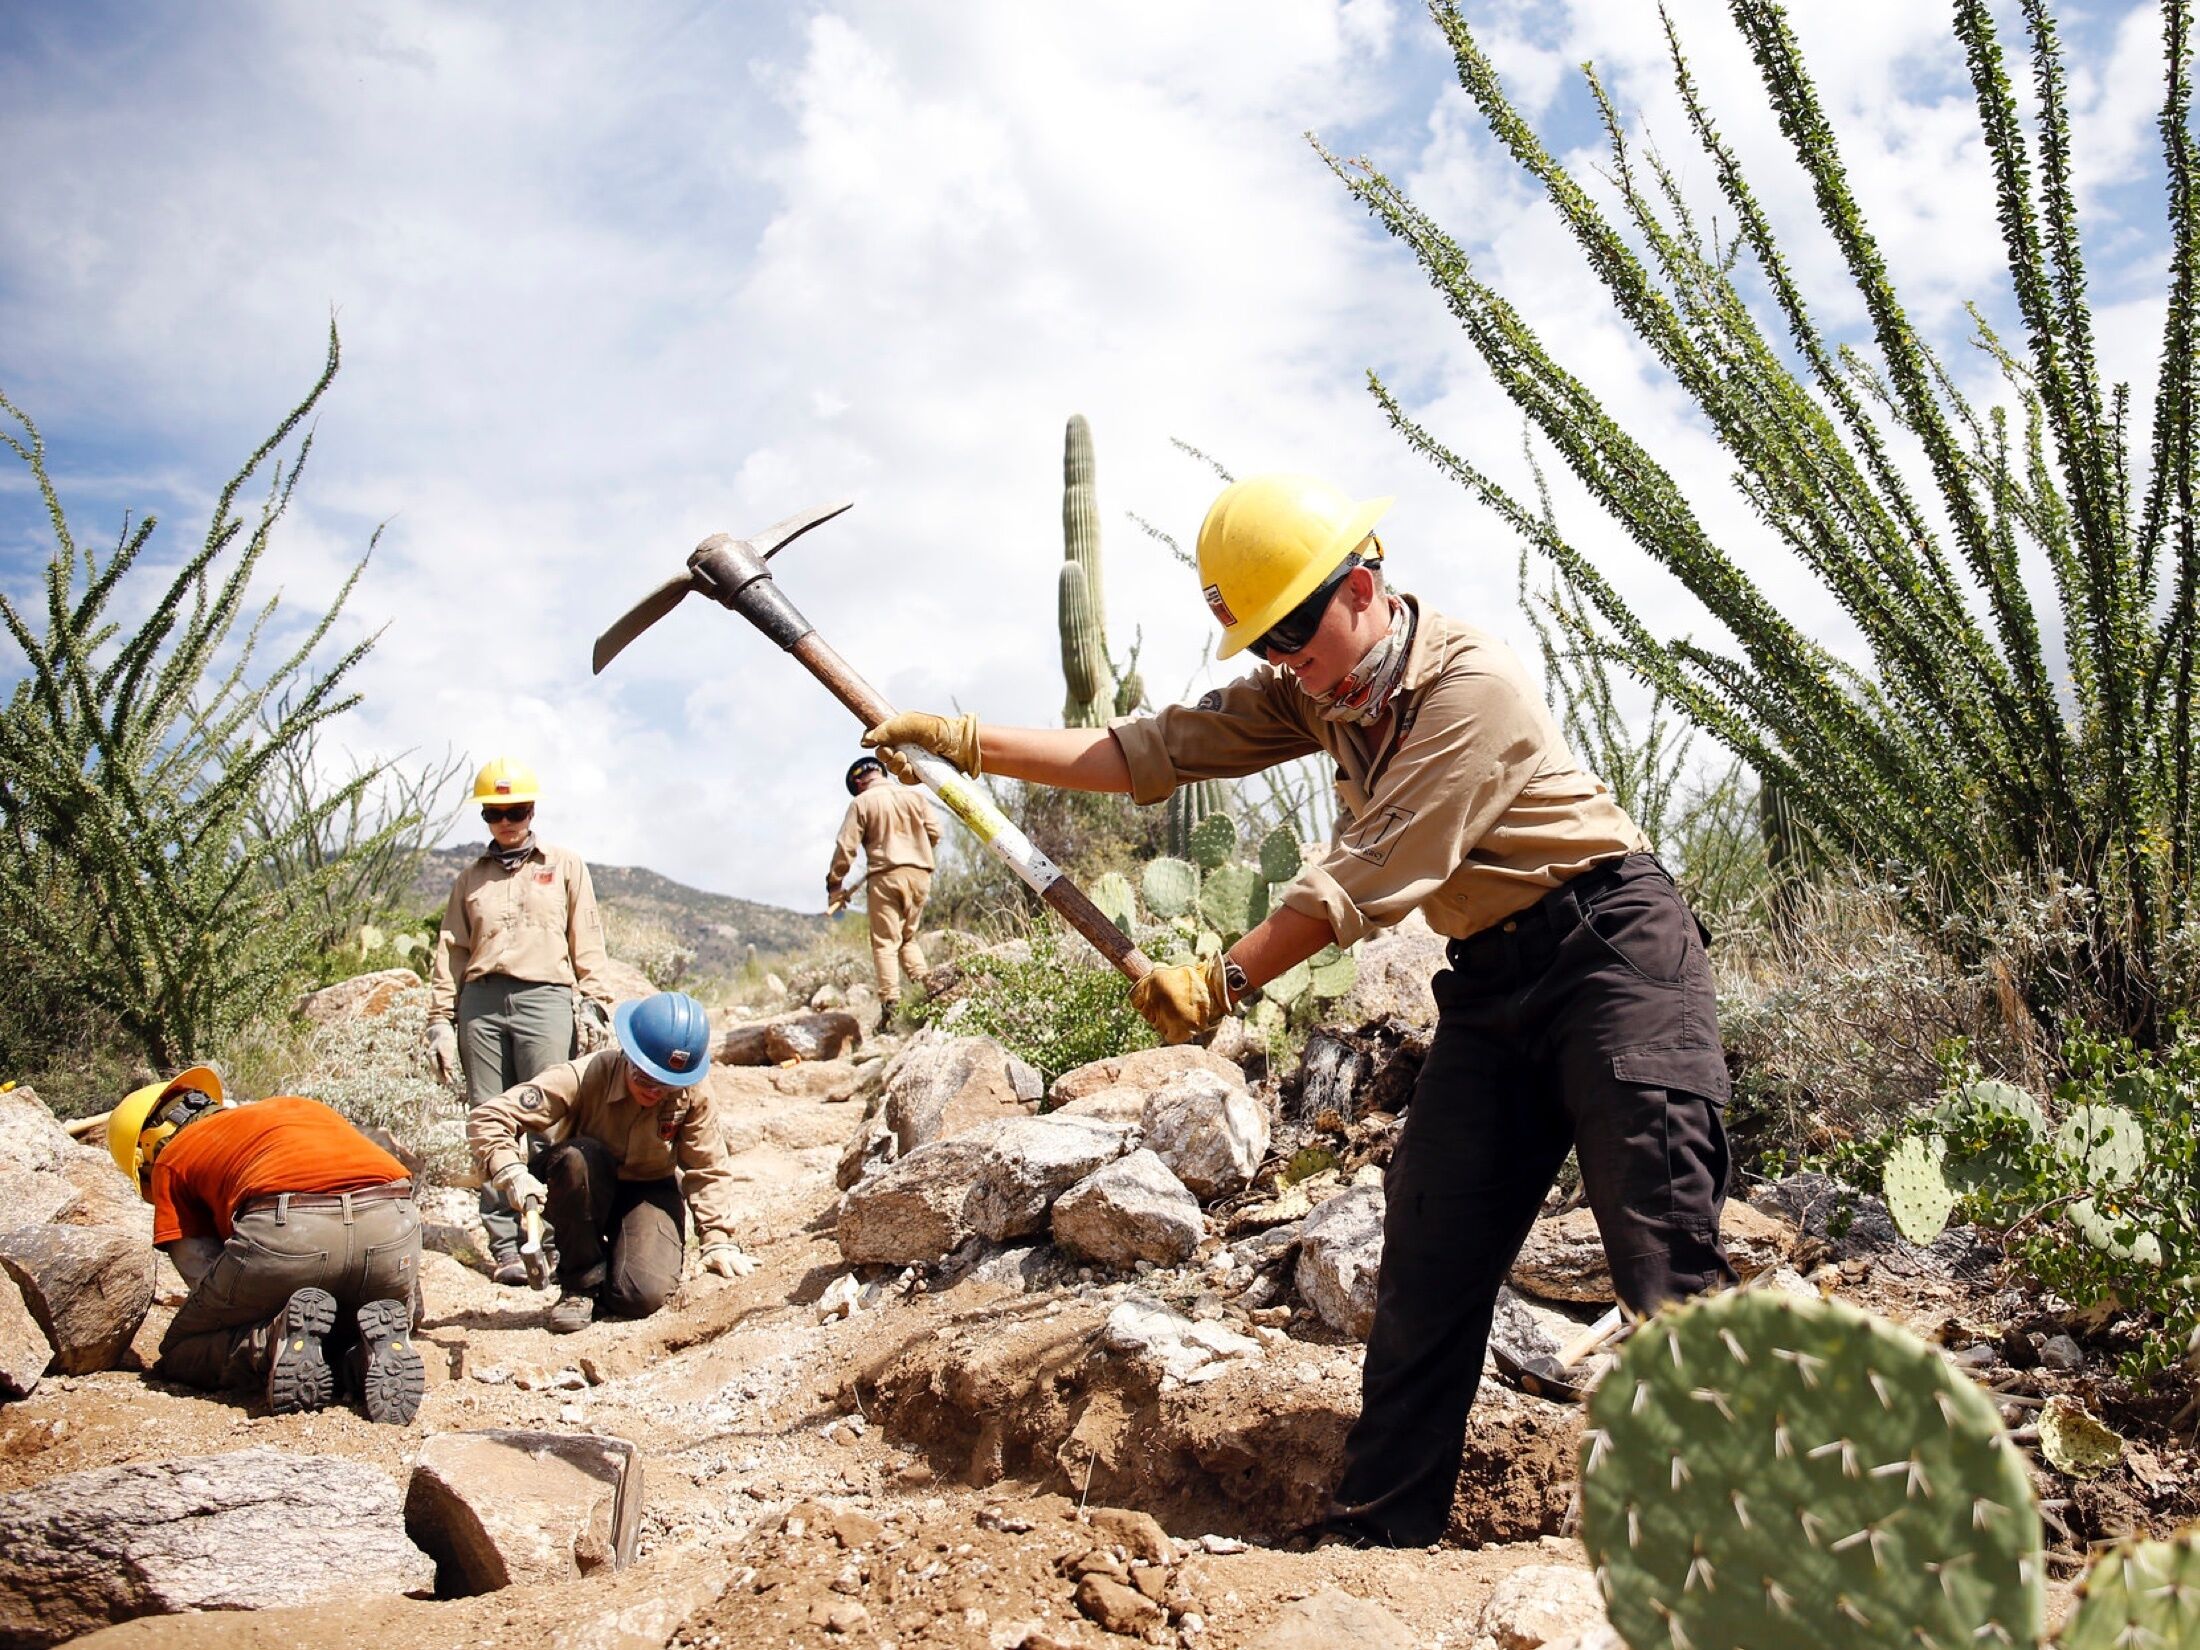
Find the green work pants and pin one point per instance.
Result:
(508, 1031)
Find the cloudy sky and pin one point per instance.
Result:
(612, 278)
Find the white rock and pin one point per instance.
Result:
(1340, 1256)
(995, 1182)
(1539, 1603)
(1210, 1131)
(1164, 1344)
(1127, 1211)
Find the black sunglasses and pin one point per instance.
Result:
(499, 816)
(1295, 629)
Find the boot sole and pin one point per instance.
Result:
(298, 1374)
(394, 1379)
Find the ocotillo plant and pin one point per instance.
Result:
(1965, 756)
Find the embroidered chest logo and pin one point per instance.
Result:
(1217, 606)
(669, 1118)
(1373, 838)
(546, 876)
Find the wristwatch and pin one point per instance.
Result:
(1235, 986)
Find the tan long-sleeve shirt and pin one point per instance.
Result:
(893, 826)
(588, 1097)
(538, 922)
(1469, 807)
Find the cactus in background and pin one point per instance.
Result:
(1186, 807)
(2139, 1592)
(1080, 602)
(1111, 892)
(1914, 1184)
(2106, 1143)
(1764, 1470)
(1232, 898)
(1995, 1107)
(1280, 855)
(1170, 886)
(1214, 841)
(1332, 973)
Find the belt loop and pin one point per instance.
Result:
(282, 1210)
(347, 1209)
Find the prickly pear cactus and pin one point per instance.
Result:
(1332, 973)
(1280, 855)
(1214, 840)
(1988, 1101)
(2106, 1142)
(1289, 986)
(1760, 1470)
(1170, 887)
(1914, 1183)
(1111, 891)
(1232, 897)
(1186, 807)
(2139, 1594)
(2104, 1228)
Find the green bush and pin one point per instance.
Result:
(1047, 1000)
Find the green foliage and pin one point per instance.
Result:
(1187, 808)
(2099, 1212)
(1764, 1470)
(1171, 887)
(1054, 1007)
(1214, 841)
(1280, 855)
(1965, 754)
(1111, 891)
(169, 864)
(2138, 1592)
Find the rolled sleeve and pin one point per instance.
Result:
(1233, 731)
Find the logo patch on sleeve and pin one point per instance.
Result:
(1373, 838)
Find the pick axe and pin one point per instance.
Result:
(731, 572)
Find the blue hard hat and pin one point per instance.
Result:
(667, 1035)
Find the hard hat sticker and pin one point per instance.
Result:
(1217, 606)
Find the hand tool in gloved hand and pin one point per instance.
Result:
(731, 572)
(530, 1251)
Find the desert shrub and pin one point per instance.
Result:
(1047, 999)
(649, 945)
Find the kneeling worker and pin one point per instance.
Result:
(896, 831)
(279, 1215)
(624, 1119)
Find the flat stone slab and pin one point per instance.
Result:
(504, 1505)
(255, 1529)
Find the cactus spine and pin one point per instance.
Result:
(1081, 602)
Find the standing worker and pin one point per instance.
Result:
(520, 934)
(1577, 1011)
(897, 831)
(278, 1216)
(626, 1117)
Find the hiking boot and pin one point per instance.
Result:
(511, 1271)
(387, 1370)
(886, 1012)
(298, 1375)
(575, 1310)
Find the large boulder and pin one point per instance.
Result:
(623, 981)
(42, 1167)
(938, 1086)
(1392, 978)
(821, 1035)
(1208, 1130)
(362, 997)
(1127, 1211)
(253, 1530)
(505, 1506)
(995, 1182)
(88, 1287)
(1340, 1256)
(1563, 1259)
(1147, 1069)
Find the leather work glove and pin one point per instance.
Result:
(591, 1026)
(952, 737)
(1183, 1001)
(518, 1186)
(727, 1260)
(443, 1054)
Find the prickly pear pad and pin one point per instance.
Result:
(2139, 1593)
(1761, 1471)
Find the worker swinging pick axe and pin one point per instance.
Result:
(1577, 1011)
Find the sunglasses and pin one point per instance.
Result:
(642, 1083)
(1291, 633)
(513, 815)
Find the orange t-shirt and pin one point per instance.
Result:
(280, 1145)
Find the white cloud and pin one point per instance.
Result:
(612, 279)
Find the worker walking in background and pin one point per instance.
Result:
(1577, 1012)
(518, 981)
(291, 1228)
(897, 832)
(625, 1118)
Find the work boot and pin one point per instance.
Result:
(510, 1271)
(574, 1311)
(887, 1009)
(298, 1375)
(386, 1369)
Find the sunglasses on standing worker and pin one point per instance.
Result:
(516, 814)
(1291, 633)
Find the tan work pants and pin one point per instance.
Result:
(896, 900)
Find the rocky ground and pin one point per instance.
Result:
(1004, 1445)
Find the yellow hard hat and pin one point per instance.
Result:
(505, 780)
(126, 1130)
(1267, 542)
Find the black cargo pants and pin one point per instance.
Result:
(1588, 1021)
(620, 1240)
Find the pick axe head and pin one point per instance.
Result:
(721, 567)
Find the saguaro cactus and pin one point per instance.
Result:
(1080, 601)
